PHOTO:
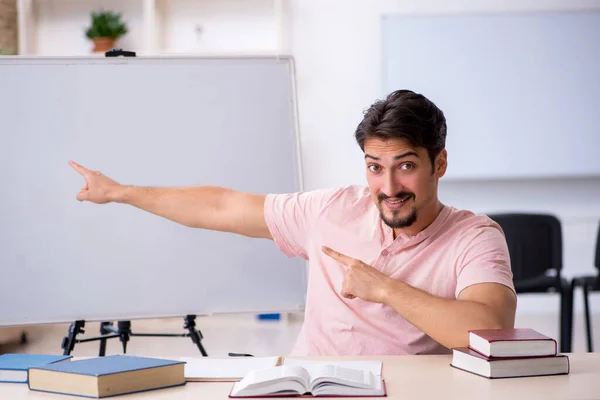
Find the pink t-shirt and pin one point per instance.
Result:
(457, 250)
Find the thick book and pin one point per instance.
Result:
(295, 380)
(107, 376)
(471, 361)
(14, 367)
(510, 343)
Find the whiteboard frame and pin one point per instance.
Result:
(91, 60)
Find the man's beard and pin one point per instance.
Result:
(398, 221)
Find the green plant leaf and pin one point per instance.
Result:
(106, 24)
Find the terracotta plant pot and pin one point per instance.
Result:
(103, 44)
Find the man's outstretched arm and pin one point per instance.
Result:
(206, 207)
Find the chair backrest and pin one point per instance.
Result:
(534, 243)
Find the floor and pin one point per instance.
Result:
(221, 335)
(229, 333)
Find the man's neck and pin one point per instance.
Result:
(425, 218)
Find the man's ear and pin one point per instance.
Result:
(441, 163)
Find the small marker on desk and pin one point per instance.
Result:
(240, 355)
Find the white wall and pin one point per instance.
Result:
(219, 26)
(336, 44)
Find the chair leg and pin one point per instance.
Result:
(566, 318)
(588, 325)
(569, 318)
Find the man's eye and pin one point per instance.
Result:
(407, 166)
(374, 168)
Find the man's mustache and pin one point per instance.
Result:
(400, 195)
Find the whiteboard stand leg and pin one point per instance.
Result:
(107, 331)
(103, 331)
(68, 342)
(190, 325)
(123, 332)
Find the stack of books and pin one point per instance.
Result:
(95, 377)
(510, 353)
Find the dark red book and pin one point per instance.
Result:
(507, 343)
(471, 361)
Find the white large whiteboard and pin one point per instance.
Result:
(521, 92)
(163, 122)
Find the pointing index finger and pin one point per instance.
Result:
(344, 259)
(82, 170)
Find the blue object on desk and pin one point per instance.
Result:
(14, 367)
(272, 317)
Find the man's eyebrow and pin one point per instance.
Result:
(396, 157)
(408, 153)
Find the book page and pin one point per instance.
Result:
(331, 389)
(343, 376)
(275, 374)
(271, 380)
(313, 366)
(234, 368)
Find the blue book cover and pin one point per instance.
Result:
(101, 369)
(109, 365)
(13, 367)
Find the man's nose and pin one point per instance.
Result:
(390, 186)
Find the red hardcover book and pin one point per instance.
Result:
(508, 343)
(471, 361)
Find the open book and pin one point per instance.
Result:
(295, 380)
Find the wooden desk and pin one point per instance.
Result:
(407, 377)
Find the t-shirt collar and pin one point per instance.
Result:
(404, 239)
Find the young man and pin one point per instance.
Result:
(392, 269)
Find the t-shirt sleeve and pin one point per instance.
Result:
(290, 216)
(483, 258)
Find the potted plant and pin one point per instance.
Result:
(106, 28)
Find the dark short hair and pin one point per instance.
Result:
(407, 115)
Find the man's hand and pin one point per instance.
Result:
(97, 188)
(361, 280)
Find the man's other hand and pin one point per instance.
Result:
(361, 280)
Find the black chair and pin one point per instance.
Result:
(535, 248)
(589, 283)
